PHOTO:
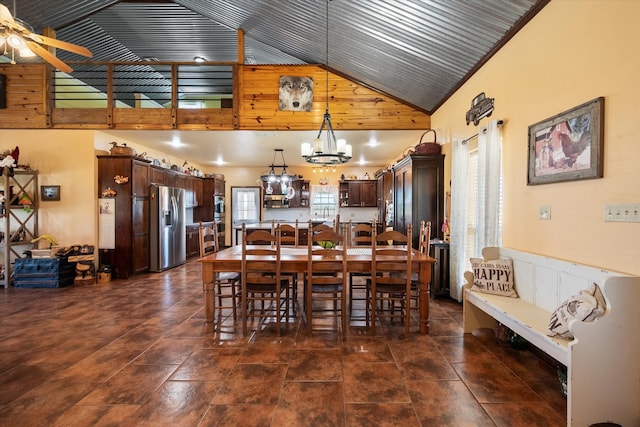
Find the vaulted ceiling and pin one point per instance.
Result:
(417, 51)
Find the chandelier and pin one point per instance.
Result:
(331, 151)
(281, 178)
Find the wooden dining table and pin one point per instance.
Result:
(295, 259)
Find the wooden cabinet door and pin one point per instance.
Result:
(355, 194)
(140, 178)
(193, 242)
(198, 191)
(157, 176)
(219, 187)
(368, 194)
(140, 232)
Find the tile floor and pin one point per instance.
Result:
(139, 353)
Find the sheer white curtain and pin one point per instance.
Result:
(458, 224)
(488, 202)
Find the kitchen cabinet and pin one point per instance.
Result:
(131, 252)
(300, 198)
(359, 193)
(193, 241)
(419, 194)
(385, 198)
(18, 217)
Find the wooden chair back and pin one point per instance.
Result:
(289, 234)
(424, 240)
(361, 234)
(208, 239)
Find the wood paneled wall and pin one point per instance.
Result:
(352, 106)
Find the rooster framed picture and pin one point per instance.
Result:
(568, 146)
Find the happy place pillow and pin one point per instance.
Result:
(587, 306)
(493, 277)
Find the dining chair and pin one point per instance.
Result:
(325, 288)
(225, 283)
(390, 282)
(360, 235)
(289, 237)
(424, 246)
(261, 279)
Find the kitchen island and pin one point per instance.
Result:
(266, 226)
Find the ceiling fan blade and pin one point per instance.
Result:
(51, 59)
(5, 17)
(60, 44)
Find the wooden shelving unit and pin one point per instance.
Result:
(18, 217)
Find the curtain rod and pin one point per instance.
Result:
(484, 130)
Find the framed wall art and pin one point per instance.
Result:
(568, 146)
(49, 193)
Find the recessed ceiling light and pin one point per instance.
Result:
(200, 59)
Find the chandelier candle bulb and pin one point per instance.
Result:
(317, 145)
(305, 149)
(342, 146)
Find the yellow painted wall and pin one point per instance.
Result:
(570, 53)
(64, 158)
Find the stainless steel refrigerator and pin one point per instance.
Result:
(167, 227)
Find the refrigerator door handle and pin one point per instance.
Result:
(174, 212)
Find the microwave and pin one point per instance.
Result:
(276, 201)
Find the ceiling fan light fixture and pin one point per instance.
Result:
(25, 52)
(16, 41)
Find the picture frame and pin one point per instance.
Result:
(568, 146)
(50, 193)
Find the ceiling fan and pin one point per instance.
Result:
(17, 35)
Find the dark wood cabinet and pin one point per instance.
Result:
(419, 194)
(385, 197)
(193, 241)
(300, 197)
(359, 193)
(131, 252)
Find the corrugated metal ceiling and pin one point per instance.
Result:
(417, 51)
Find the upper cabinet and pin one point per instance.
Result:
(300, 197)
(359, 194)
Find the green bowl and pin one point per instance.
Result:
(327, 244)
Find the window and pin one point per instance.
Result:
(324, 201)
(245, 205)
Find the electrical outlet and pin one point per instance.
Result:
(622, 212)
(545, 212)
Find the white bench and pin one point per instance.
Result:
(603, 360)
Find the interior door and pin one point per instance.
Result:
(246, 206)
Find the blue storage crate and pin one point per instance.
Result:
(43, 272)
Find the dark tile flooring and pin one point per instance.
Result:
(139, 353)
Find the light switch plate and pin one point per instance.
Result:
(622, 212)
(545, 212)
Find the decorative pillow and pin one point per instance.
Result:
(587, 306)
(493, 277)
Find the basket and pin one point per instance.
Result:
(427, 148)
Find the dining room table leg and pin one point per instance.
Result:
(208, 283)
(424, 281)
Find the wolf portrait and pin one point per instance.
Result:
(296, 93)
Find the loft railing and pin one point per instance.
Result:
(144, 85)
